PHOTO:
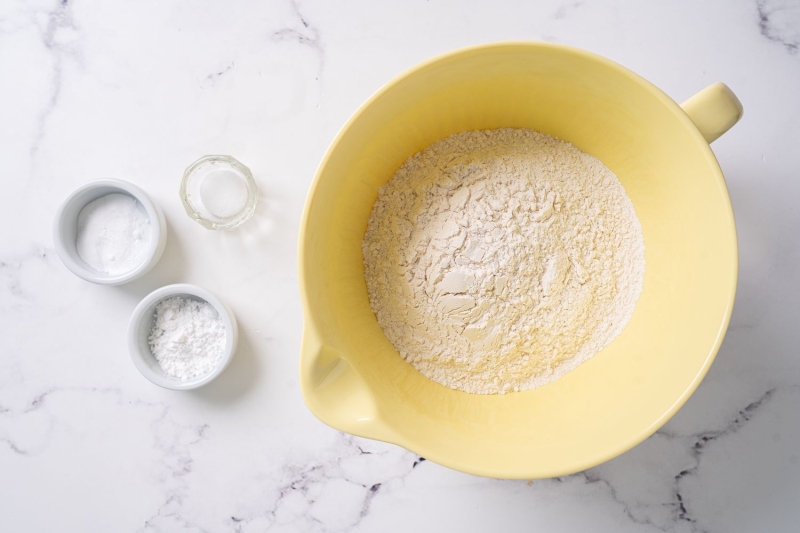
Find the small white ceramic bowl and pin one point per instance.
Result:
(65, 227)
(142, 321)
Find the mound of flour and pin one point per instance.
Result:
(499, 260)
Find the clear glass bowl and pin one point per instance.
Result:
(219, 192)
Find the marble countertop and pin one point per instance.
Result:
(138, 90)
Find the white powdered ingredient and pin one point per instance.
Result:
(187, 338)
(114, 234)
(499, 260)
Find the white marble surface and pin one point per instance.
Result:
(139, 89)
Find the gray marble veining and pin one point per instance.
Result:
(779, 21)
(58, 22)
(304, 34)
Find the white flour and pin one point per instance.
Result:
(113, 234)
(187, 337)
(497, 261)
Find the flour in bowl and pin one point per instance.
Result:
(499, 260)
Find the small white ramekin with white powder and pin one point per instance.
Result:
(109, 232)
(182, 337)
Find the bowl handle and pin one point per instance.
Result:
(336, 393)
(714, 110)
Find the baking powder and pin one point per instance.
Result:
(187, 338)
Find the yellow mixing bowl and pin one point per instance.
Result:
(354, 380)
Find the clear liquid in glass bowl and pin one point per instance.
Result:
(219, 192)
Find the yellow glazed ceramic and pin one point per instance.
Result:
(354, 380)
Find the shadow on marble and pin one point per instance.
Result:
(170, 269)
(240, 377)
(729, 460)
(261, 227)
(732, 476)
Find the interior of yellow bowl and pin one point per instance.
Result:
(353, 378)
